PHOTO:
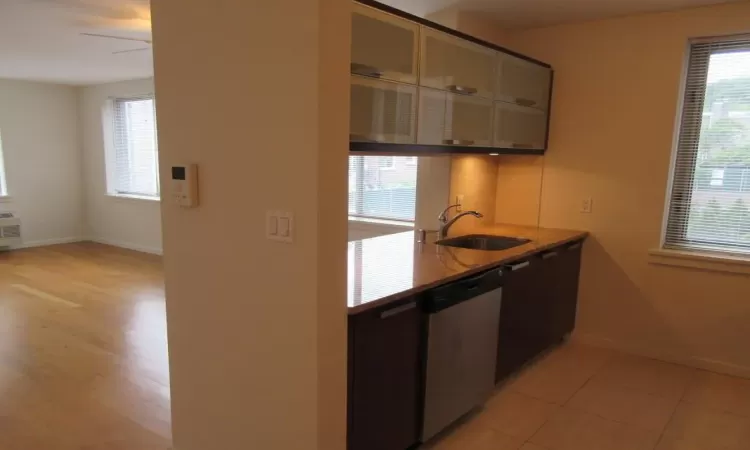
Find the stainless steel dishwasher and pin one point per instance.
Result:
(464, 319)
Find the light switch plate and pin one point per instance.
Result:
(587, 205)
(279, 226)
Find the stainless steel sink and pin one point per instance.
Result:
(483, 242)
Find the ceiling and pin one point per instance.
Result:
(40, 40)
(516, 14)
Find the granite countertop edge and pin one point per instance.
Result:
(503, 259)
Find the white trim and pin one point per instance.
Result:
(677, 129)
(147, 198)
(719, 38)
(370, 220)
(70, 240)
(690, 361)
(378, 225)
(46, 242)
(716, 262)
(129, 246)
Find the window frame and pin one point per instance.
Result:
(110, 135)
(688, 135)
(3, 174)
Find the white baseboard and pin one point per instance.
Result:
(136, 247)
(684, 360)
(46, 242)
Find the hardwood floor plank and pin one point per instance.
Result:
(44, 295)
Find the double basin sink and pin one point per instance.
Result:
(483, 242)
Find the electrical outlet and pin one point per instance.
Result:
(460, 202)
(587, 205)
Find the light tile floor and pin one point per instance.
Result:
(584, 398)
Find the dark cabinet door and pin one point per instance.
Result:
(540, 299)
(522, 335)
(560, 271)
(385, 378)
(567, 280)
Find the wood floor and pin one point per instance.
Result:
(83, 350)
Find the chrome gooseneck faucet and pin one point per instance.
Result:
(446, 224)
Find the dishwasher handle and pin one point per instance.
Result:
(459, 291)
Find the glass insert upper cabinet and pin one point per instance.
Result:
(383, 45)
(382, 111)
(457, 65)
(519, 127)
(453, 119)
(522, 82)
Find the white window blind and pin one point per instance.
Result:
(3, 185)
(710, 197)
(136, 160)
(383, 187)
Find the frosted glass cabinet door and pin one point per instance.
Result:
(456, 65)
(382, 111)
(452, 119)
(468, 121)
(522, 82)
(383, 46)
(432, 110)
(519, 127)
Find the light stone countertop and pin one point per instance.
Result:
(386, 269)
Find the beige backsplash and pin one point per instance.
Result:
(506, 189)
(519, 189)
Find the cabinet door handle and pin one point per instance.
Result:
(518, 145)
(519, 266)
(365, 70)
(549, 255)
(525, 102)
(398, 310)
(458, 142)
(465, 90)
(575, 246)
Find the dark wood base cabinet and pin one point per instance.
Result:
(540, 296)
(387, 346)
(385, 382)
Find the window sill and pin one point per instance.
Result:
(6, 199)
(380, 224)
(135, 197)
(716, 262)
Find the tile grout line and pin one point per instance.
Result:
(674, 412)
(560, 407)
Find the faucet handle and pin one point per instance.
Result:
(443, 217)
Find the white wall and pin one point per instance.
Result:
(131, 223)
(39, 130)
(257, 328)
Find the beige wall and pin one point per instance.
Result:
(40, 148)
(614, 109)
(479, 25)
(257, 328)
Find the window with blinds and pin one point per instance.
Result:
(3, 185)
(710, 196)
(136, 161)
(383, 187)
